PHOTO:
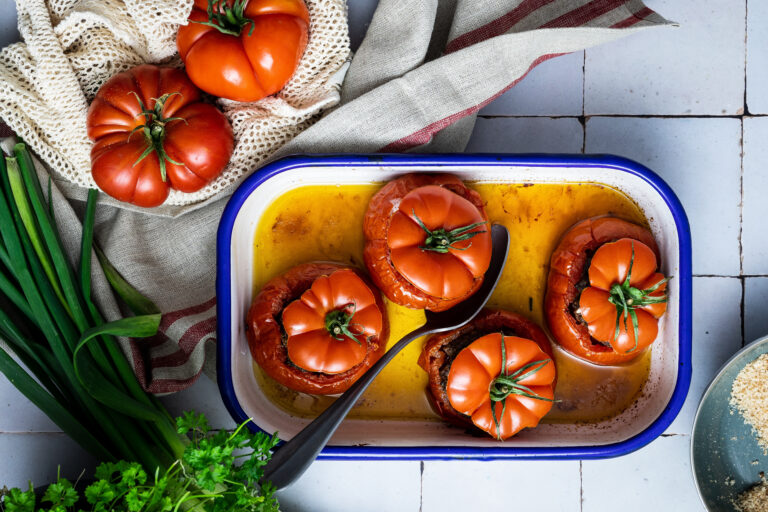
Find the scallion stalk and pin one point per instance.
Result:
(74, 369)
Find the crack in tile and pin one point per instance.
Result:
(634, 116)
(745, 110)
(421, 488)
(742, 302)
(581, 486)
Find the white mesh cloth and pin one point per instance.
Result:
(71, 47)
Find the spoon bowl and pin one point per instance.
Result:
(293, 458)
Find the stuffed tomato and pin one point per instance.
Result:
(317, 327)
(496, 374)
(604, 292)
(427, 241)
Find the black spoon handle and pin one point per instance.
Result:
(294, 457)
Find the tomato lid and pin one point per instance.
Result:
(504, 383)
(329, 325)
(439, 241)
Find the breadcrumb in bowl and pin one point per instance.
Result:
(727, 457)
(749, 394)
(754, 499)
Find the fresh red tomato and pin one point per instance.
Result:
(626, 296)
(569, 275)
(504, 383)
(243, 50)
(461, 399)
(317, 328)
(152, 133)
(428, 241)
(328, 326)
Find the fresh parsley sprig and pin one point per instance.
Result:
(219, 471)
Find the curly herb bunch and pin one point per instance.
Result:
(219, 471)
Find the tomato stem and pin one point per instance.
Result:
(154, 131)
(442, 241)
(226, 19)
(509, 384)
(627, 299)
(338, 323)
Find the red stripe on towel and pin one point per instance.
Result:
(169, 319)
(634, 19)
(497, 26)
(584, 14)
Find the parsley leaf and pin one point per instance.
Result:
(220, 471)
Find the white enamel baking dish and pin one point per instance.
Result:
(670, 372)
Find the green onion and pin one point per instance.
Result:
(73, 368)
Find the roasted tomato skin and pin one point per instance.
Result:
(438, 354)
(265, 332)
(567, 268)
(383, 211)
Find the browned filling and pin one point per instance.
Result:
(581, 285)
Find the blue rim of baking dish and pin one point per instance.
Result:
(503, 450)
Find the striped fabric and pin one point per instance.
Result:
(423, 65)
(169, 361)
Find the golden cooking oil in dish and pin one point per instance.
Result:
(324, 222)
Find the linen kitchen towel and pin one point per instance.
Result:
(422, 72)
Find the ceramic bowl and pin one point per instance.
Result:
(725, 457)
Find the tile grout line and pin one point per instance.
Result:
(421, 487)
(31, 432)
(730, 276)
(584, 84)
(582, 119)
(581, 486)
(742, 276)
(742, 309)
(745, 110)
(621, 116)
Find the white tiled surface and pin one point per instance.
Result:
(475, 486)
(695, 157)
(687, 87)
(755, 299)
(527, 135)
(753, 238)
(715, 338)
(757, 57)
(697, 68)
(657, 477)
(332, 486)
(544, 92)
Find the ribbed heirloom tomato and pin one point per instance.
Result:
(428, 242)
(152, 133)
(496, 374)
(317, 328)
(504, 383)
(243, 50)
(626, 296)
(326, 327)
(590, 305)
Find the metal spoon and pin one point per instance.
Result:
(294, 457)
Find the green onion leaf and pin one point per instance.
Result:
(136, 302)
